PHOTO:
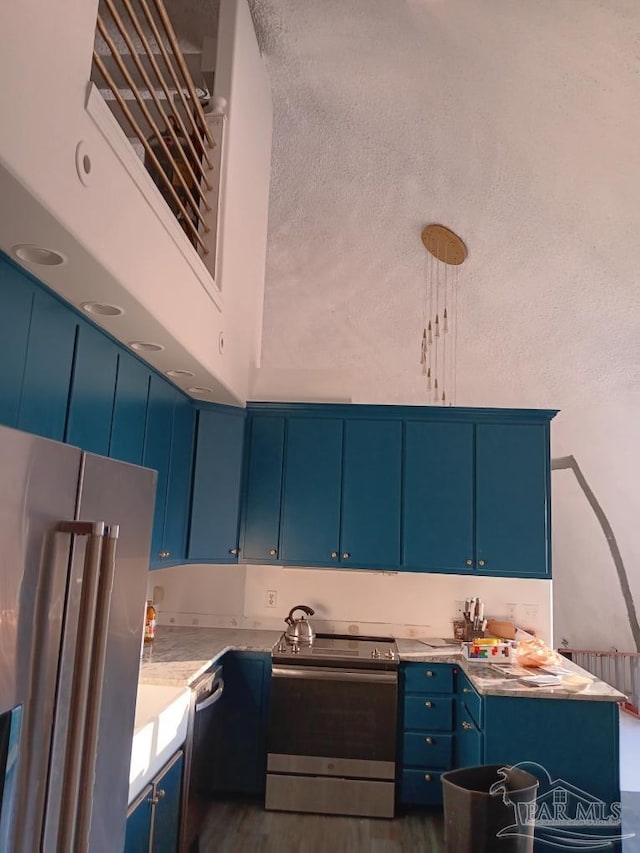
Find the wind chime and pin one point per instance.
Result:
(438, 354)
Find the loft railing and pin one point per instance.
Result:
(619, 669)
(150, 89)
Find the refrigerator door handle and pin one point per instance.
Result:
(97, 671)
(95, 533)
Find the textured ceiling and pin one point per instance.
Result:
(513, 122)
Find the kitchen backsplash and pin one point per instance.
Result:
(400, 603)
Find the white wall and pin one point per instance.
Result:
(401, 603)
(118, 250)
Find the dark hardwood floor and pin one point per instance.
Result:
(234, 826)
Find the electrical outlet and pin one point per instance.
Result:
(459, 608)
(511, 614)
(272, 598)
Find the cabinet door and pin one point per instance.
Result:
(312, 483)
(263, 490)
(216, 487)
(174, 540)
(47, 375)
(438, 497)
(157, 451)
(241, 751)
(512, 499)
(166, 818)
(16, 301)
(138, 832)
(468, 739)
(129, 410)
(371, 494)
(92, 391)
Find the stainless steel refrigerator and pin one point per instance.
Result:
(75, 533)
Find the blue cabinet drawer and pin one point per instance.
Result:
(427, 749)
(421, 787)
(470, 698)
(428, 678)
(428, 713)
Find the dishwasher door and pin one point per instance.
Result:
(205, 707)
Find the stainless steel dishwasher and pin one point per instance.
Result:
(206, 693)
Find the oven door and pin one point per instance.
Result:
(333, 721)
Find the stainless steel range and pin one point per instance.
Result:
(332, 728)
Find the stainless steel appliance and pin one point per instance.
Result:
(75, 534)
(197, 794)
(332, 726)
(300, 630)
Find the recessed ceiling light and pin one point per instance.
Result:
(176, 374)
(38, 255)
(198, 390)
(146, 346)
(102, 309)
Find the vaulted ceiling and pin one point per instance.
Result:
(514, 123)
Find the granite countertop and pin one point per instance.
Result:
(179, 655)
(490, 682)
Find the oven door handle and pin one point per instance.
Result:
(212, 699)
(317, 673)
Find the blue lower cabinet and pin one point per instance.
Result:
(239, 762)
(420, 787)
(469, 739)
(93, 388)
(48, 366)
(213, 534)
(432, 712)
(129, 410)
(428, 678)
(428, 749)
(16, 301)
(470, 698)
(153, 819)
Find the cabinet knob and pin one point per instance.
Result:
(429, 673)
(469, 562)
(467, 690)
(272, 552)
(346, 555)
(481, 563)
(334, 555)
(428, 740)
(467, 726)
(427, 777)
(233, 551)
(160, 793)
(163, 554)
(428, 704)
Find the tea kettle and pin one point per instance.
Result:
(300, 630)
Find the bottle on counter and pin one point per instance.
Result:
(150, 622)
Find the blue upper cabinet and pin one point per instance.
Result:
(92, 391)
(174, 539)
(512, 499)
(263, 488)
(371, 494)
(129, 410)
(16, 300)
(49, 361)
(216, 487)
(438, 529)
(310, 533)
(157, 453)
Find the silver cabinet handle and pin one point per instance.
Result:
(428, 673)
(428, 740)
(272, 552)
(467, 726)
(427, 777)
(467, 690)
(346, 555)
(160, 793)
(428, 704)
(233, 552)
(469, 562)
(334, 555)
(481, 562)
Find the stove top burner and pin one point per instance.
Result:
(345, 650)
